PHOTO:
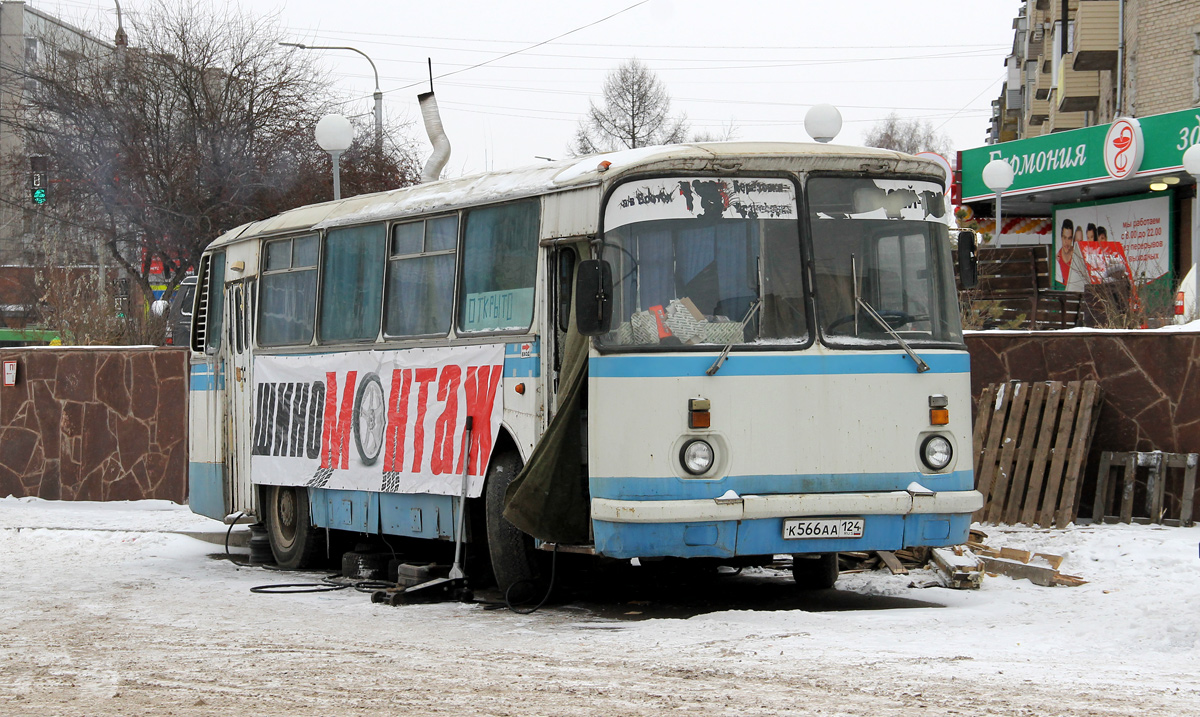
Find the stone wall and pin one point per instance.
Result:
(1151, 382)
(95, 424)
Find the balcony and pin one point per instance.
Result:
(1077, 91)
(1045, 79)
(1037, 112)
(1095, 38)
(1060, 120)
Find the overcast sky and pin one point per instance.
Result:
(756, 65)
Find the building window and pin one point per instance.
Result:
(1196, 64)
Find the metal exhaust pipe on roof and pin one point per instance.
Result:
(437, 136)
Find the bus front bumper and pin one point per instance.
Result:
(753, 524)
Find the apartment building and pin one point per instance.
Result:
(1101, 100)
(27, 34)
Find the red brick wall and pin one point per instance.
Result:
(95, 424)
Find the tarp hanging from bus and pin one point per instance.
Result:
(549, 497)
(390, 421)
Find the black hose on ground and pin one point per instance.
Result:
(549, 588)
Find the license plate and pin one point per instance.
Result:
(822, 528)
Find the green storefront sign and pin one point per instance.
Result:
(1076, 157)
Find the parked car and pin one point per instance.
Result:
(179, 316)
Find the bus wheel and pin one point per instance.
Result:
(512, 552)
(293, 539)
(815, 572)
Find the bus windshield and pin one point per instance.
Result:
(691, 257)
(883, 241)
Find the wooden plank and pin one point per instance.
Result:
(983, 418)
(1081, 441)
(1189, 490)
(1100, 504)
(1062, 447)
(983, 479)
(1012, 436)
(1036, 574)
(1155, 484)
(1052, 560)
(892, 562)
(1037, 470)
(1014, 554)
(1020, 479)
(1127, 488)
(961, 572)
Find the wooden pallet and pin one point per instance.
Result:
(1031, 445)
(1157, 467)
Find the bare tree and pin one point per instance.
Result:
(636, 113)
(910, 136)
(203, 124)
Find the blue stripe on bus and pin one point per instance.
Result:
(206, 489)
(675, 488)
(528, 365)
(765, 364)
(203, 379)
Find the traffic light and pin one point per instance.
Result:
(38, 184)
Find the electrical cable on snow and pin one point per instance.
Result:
(549, 588)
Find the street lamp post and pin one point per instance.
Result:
(335, 135)
(1191, 165)
(378, 93)
(998, 176)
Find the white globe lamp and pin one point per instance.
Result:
(823, 122)
(997, 176)
(335, 134)
(1191, 160)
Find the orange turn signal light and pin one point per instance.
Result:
(939, 416)
(520, 389)
(698, 415)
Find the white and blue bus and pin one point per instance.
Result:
(714, 351)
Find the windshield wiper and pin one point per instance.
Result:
(725, 352)
(922, 367)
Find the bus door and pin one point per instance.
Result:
(239, 393)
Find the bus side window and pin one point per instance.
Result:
(216, 303)
(566, 276)
(500, 250)
(420, 282)
(352, 283)
(288, 306)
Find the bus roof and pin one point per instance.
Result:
(563, 175)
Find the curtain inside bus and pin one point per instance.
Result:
(549, 497)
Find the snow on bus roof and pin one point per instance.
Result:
(555, 176)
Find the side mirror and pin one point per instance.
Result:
(593, 297)
(968, 265)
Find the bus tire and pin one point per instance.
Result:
(512, 552)
(815, 572)
(289, 529)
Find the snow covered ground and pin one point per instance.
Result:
(106, 610)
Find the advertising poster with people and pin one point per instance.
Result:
(1124, 240)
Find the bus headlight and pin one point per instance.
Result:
(697, 457)
(936, 452)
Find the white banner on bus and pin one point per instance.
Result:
(390, 421)
(647, 200)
